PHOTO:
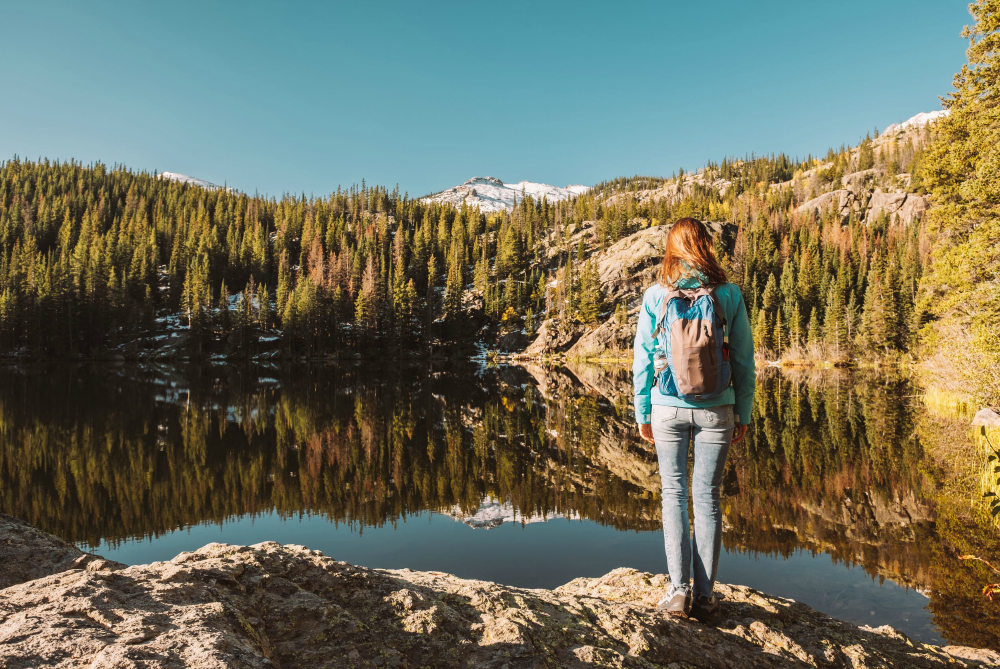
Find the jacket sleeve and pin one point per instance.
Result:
(642, 360)
(742, 359)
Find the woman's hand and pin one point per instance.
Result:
(646, 432)
(739, 432)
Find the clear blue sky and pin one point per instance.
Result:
(301, 97)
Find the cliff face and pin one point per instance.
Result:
(868, 201)
(287, 606)
(626, 269)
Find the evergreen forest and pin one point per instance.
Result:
(95, 258)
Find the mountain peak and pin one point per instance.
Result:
(491, 181)
(491, 194)
(918, 121)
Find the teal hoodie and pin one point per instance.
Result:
(739, 394)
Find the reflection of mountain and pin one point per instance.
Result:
(832, 464)
(492, 513)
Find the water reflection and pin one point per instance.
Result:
(833, 463)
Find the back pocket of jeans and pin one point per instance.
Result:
(717, 416)
(663, 414)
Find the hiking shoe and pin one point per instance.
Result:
(678, 604)
(704, 605)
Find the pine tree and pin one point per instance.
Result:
(814, 335)
(367, 308)
(779, 338)
(431, 299)
(453, 285)
(795, 335)
(836, 322)
(591, 300)
(284, 284)
(481, 275)
(264, 314)
(879, 319)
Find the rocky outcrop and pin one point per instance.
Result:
(673, 190)
(27, 553)
(867, 201)
(608, 339)
(513, 342)
(626, 268)
(287, 606)
(553, 337)
(631, 261)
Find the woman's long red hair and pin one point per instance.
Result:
(689, 242)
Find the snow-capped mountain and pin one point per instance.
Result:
(490, 194)
(185, 179)
(493, 513)
(920, 120)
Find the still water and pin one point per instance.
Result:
(521, 475)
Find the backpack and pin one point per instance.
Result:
(693, 360)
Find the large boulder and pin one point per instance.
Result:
(553, 337)
(513, 342)
(609, 339)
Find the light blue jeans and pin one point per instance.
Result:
(711, 430)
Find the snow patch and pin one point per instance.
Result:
(185, 179)
(918, 121)
(491, 194)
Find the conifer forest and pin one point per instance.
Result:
(97, 257)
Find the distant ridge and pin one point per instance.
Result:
(491, 194)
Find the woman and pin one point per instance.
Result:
(670, 414)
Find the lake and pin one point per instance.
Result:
(522, 475)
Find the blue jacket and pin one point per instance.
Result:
(741, 357)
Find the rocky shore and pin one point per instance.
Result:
(287, 606)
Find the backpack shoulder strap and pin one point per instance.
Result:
(719, 312)
(664, 303)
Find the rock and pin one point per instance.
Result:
(867, 201)
(287, 606)
(631, 263)
(27, 553)
(553, 337)
(838, 199)
(513, 341)
(858, 180)
(609, 339)
(907, 207)
(987, 418)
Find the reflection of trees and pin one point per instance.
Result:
(113, 456)
(832, 463)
